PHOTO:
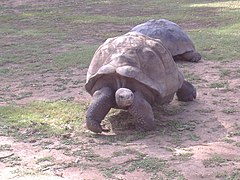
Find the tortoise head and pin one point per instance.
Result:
(124, 97)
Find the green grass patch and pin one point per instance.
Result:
(171, 110)
(182, 156)
(26, 172)
(192, 77)
(44, 31)
(215, 160)
(51, 117)
(148, 164)
(45, 159)
(218, 43)
(38, 32)
(93, 19)
(222, 84)
(80, 58)
(5, 147)
(24, 52)
(125, 152)
(7, 29)
(225, 72)
(151, 165)
(229, 111)
(4, 71)
(236, 131)
(234, 175)
(232, 5)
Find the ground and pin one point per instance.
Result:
(193, 140)
(196, 140)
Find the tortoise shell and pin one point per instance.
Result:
(139, 57)
(172, 36)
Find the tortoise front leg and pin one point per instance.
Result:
(142, 113)
(187, 92)
(191, 56)
(100, 105)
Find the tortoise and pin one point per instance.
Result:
(132, 72)
(173, 37)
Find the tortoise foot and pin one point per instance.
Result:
(192, 56)
(94, 126)
(187, 92)
(99, 107)
(196, 57)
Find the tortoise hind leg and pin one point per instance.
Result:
(191, 56)
(142, 113)
(187, 92)
(100, 105)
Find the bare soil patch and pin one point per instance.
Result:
(67, 85)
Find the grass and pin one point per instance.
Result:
(176, 125)
(45, 159)
(125, 152)
(148, 164)
(236, 131)
(12, 161)
(233, 5)
(40, 29)
(5, 147)
(171, 110)
(192, 77)
(215, 160)
(46, 33)
(51, 117)
(223, 36)
(205, 110)
(234, 175)
(89, 154)
(225, 72)
(221, 84)
(78, 57)
(151, 165)
(182, 156)
(229, 111)
(194, 137)
(27, 172)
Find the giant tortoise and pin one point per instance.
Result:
(132, 72)
(173, 37)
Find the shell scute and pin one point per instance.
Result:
(138, 57)
(170, 33)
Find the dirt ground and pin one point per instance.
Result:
(195, 140)
(206, 128)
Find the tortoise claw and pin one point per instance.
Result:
(99, 107)
(94, 127)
